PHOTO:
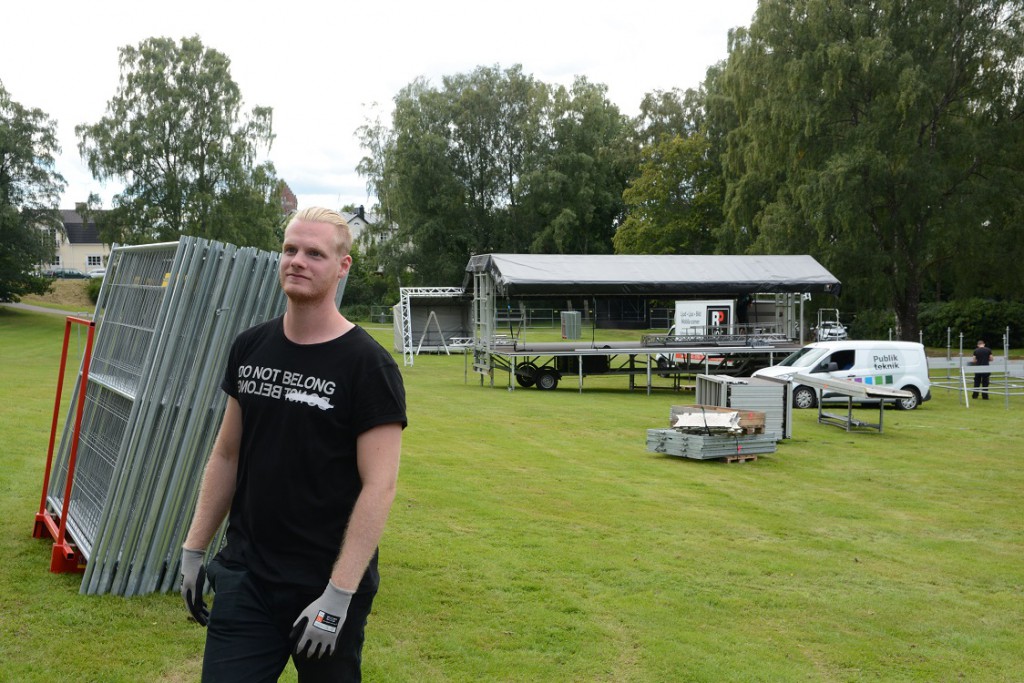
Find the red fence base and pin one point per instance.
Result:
(65, 556)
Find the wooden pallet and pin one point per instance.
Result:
(750, 457)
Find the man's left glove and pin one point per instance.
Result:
(316, 630)
(193, 583)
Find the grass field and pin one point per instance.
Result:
(534, 539)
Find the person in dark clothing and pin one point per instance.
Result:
(982, 356)
(304, 467)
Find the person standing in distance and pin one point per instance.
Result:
(982, 356)
(305, 467)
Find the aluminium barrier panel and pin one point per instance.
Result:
(165, 319)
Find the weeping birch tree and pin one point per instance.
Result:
(176, 135)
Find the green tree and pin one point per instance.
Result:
(577, 188)
(30, 190)
(384, 252)
(670, 211)
(881, 136)
(674, 202)
(366, 286)
(447, 172)
(176, 136)
(430, 202)
(494, 161)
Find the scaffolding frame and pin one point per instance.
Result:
(406, 295)
(484, 314)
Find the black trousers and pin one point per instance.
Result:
(247, 637)
(981, 380)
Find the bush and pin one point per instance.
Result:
(92, 288)
(356, 312)
(872, 324)
(976, 319)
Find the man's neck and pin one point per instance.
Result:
(314, 323)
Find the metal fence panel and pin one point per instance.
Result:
(165, 319)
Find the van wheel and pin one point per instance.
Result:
(546, 379)
(804, 397)
(909, 403)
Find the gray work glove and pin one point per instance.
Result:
(315, 632)
(193, 584)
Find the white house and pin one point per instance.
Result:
(357, 222)
(80, 246)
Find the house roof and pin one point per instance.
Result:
(77, 230)
(365, 217)
(653, 275)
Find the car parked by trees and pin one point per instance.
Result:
(62, 273)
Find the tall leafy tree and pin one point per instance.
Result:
(579, 183)
(30, 190)
(381, 249)
(494, 121)
(882, 135)
(494, 161)
(428, 201)
(674, 201)
(176, 135)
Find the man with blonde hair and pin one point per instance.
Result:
(318, 214)
(305, 468)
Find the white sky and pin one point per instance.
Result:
(321, 65)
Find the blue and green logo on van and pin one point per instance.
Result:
(874, 379)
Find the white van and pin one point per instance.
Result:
(894, 364)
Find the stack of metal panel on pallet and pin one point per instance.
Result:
(704, 432)
(709, 447)
(165, 318)
(764, 394)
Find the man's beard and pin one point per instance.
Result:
(304, 294)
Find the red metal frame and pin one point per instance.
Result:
(65, 556)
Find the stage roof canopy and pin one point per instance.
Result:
(537, 275)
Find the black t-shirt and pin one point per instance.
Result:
(302, 408)
(982, 354)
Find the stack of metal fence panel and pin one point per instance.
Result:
(165, 319)
(708, 446)
(705, 432)
(764, 394)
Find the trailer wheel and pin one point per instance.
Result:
(804, 397)
(526, 374)
(909, 403)
(546, 379)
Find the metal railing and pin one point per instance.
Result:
(731, 335)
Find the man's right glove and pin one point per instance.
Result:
(193, 583)
(315, 633)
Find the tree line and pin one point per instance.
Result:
(885, 138)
